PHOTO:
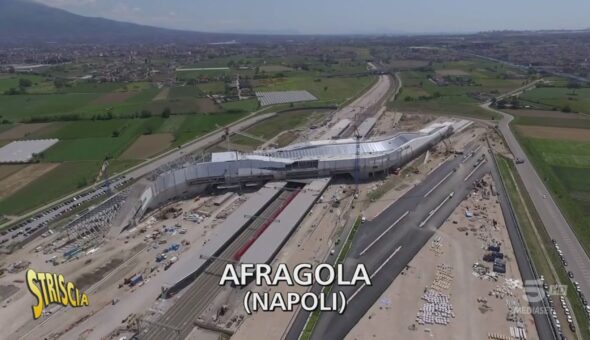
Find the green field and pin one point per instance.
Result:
(558, 98)
(565, 168)
(556, 122)
(60, 181)
(39, 84)
(327, 90)
(212, 87)
(185, 91)
(97, 140)
(197, 125)
(271, 127)
(485, 80)
(247, 105)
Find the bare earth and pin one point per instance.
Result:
(8, 169)
(451, 72)
(546, 114)
(148, 145)
(17, 180)
(207, 105)
(22, 130)
(395, 312)
(578, 135)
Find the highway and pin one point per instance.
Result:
(365, 103)
(552, 217)
(388, 243)
(149, 165)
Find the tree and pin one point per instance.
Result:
(566, 109)
(12, 92)
(116, 134)
(59, 83)
(573, 85)
(325, 88)
(166, 112)
(145, 114)
(23, 83)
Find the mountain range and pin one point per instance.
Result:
(24, 22)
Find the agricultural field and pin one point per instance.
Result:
(327, 90)
(271, 127)
(128, 122)
(198, 125)
(558, 98)
(455, 88)
(61, 180)
(560, 150)
(247, 105)
(148, 145)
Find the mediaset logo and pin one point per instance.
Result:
(51, 288)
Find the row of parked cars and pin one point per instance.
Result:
(42, 219)
(564, 305)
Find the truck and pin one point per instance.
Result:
(499, 269)
(494, 248)
(135, 280)
(171, 262)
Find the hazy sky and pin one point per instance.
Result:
(340, 16)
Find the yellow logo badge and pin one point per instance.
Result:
(51, 288)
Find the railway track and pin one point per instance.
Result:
(177, 322)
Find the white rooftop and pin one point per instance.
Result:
(23, 151)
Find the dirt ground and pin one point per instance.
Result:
(148, 145)
(19, 179)
(451, 72)
(162, 95)
(546, 114)
(207, 105)
(114, 97)
(8, 169)
(547, 132)
(22, 130)
(130, 253)
(310, 243)
(480, 302)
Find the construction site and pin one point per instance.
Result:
(150, 256)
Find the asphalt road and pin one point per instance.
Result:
(38, 224)
(395, 248)
(139, 170)
(554, 221)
